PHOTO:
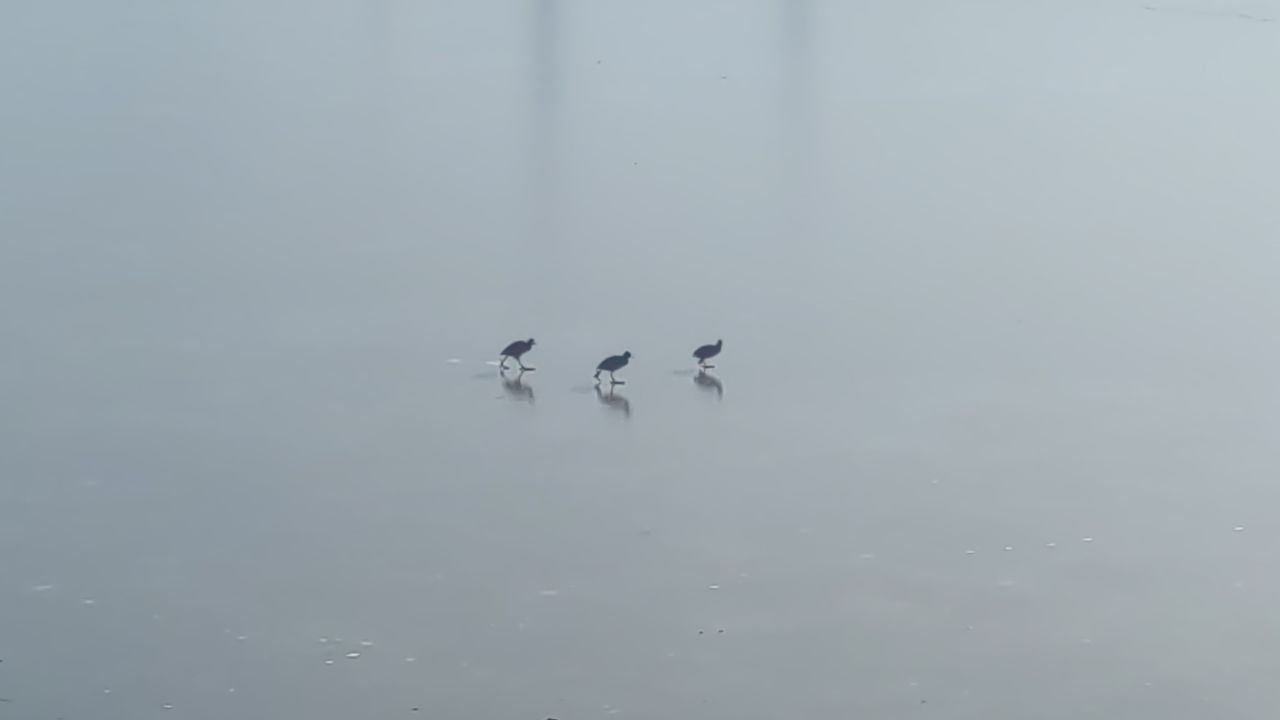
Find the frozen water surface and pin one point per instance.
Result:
(989, 275)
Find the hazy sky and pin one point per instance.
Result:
(989, 275)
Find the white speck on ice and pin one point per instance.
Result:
(713, 587)
(453, 361)
(1086, 539)
(353, 655)
(549, 593)
(42, 588)
(1238, 528)
(366, 643)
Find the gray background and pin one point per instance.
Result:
(997, 283)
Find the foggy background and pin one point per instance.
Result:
(993, 436)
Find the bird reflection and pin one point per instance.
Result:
(707, 381)
(516, 388)
(614, 400)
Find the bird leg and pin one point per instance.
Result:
(522, 365)
(597, 375)
(502, 362)
(615, 381)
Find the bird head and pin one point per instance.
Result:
(530, 342)
(627, 354)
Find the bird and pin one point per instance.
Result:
(706, 352)
(515, 350)
(612, 364)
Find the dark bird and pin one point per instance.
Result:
(612, 364)
(706, 352)
(515, 350)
